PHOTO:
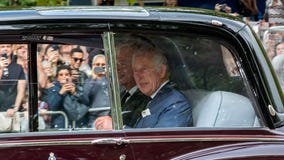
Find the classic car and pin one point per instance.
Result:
(215, 60)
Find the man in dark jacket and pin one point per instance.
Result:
(168, 107)
(133, 100)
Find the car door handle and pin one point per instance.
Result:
(117, 141)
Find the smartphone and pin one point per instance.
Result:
(68, 80)
(223, 6)
(55, 47)
(4, 55)
(99, 70)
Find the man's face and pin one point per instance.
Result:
(124, 68)
(99, 62)
(146, 75)
(6, 48)
(280, 49)
(76, 60)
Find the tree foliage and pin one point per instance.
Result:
(51, 2)
(26, 3)
(131, 2)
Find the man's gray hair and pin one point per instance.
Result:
(141, 47)
(97, 56)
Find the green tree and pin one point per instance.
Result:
(26, 3)
(51, 2)
(131, 2)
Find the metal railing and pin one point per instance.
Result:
(66, 117)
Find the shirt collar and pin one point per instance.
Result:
(155, 93)
(132, 90)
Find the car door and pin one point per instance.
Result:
(213, 69)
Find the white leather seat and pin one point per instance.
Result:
(221, 109)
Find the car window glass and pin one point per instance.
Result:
(73, 84)
(74, 89)
(201, 69)
(13, 86)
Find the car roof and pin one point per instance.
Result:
(177, 14)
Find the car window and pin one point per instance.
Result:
(203, 69)
(199, 82)
(71, 84)
(13, 85)
(74, 85)
(74, 89)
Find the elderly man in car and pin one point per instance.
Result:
(168, 107)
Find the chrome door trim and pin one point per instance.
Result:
(138, 140)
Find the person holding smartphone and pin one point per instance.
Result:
(224, 8)
(12, 82)
(95, 90)
(77, 59)
(64, 96)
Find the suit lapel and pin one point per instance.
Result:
(160, 95)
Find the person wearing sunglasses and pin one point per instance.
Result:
(77, 58)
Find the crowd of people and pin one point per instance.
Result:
(62, 73)
(268, 29)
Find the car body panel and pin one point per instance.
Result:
(199, 144)
(63, 145)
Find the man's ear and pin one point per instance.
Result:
(163, 72)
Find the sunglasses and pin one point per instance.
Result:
(78, 59)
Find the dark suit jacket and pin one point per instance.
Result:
(169, 108)
(135, 104)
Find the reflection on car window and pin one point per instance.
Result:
(229, 63)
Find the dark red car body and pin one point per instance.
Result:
(248, 143)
